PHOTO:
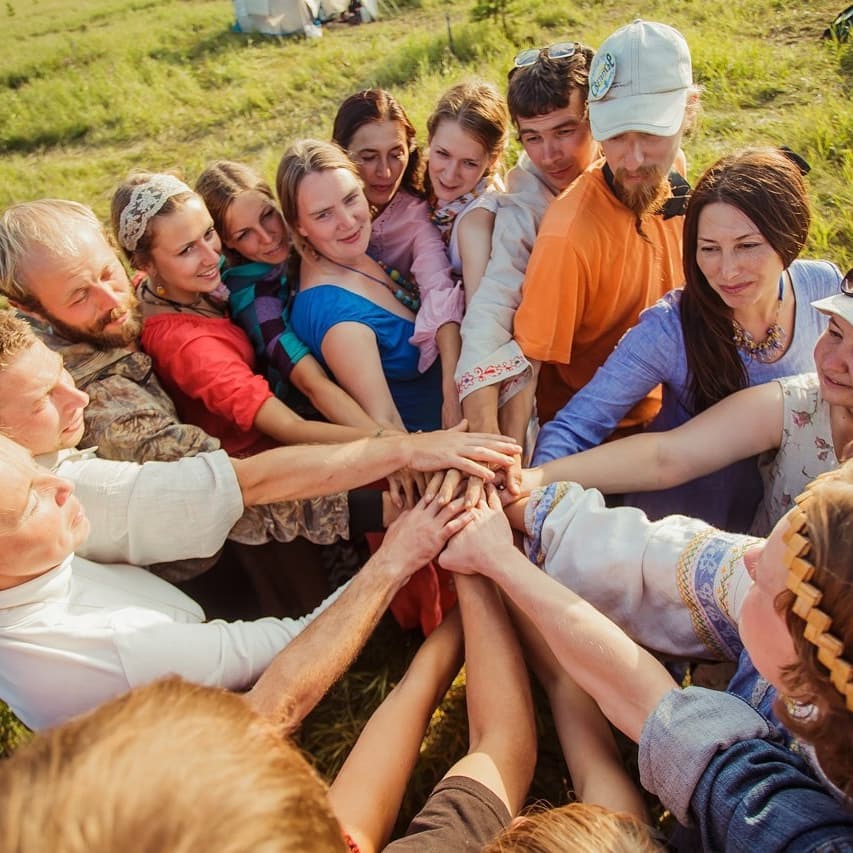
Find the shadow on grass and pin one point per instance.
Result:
(45, 139)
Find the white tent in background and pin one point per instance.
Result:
(283, 17)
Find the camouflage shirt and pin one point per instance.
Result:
(129, 417)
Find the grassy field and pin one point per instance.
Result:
(93, 89)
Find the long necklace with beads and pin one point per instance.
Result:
(773, 345)
(405, 292)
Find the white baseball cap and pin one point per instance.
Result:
(639, 80)
(841, 304)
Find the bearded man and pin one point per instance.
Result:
(611, 244)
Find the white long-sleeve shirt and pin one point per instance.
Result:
(84, 632)
(674, 585)
(87, 631)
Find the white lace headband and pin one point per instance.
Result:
(145, 202)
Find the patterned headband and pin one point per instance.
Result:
(145, 203)
(808, 596)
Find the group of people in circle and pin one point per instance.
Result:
(645, 379)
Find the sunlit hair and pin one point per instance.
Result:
(170, 766)
(767, 187)
(829, 530)
(304, 158)
(480, 111)
(219, 184)
(378, 105)
(16, 337)
(579, 827)
(547, 85)
(38, 226)
(121, 198)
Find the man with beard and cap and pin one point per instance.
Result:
(610, 246)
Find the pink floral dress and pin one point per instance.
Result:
(806, 450)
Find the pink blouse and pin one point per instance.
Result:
(404, 238)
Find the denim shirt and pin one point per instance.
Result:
(716, 763)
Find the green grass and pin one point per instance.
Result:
(91, 90)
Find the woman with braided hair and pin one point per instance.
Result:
(765, 765)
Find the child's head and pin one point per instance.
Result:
(321, 197)
(579, 827)
(245, 213)
(169, 766)
(467, 135)
(165, 230)
(380, 139)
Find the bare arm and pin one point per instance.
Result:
(328, 398)
(501, 731)
(283, 424)
(367, 793)
(624, 679)
(302, 673)
(481, 407)
(449, 344)
(289, 473)
(595, 766)
(352, 354)
(740, 426)
(475, 247)
(515, 414)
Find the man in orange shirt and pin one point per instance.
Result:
(611, 244)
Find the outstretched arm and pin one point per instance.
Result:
(290, 473)
(742, 425)
(502, 734)
(280, 422)
(624, 679)
(301, 674)
(501, 731)
(369, 788)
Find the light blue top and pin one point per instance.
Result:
(417, 396)
(652, 353)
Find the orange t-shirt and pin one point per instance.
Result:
(589, 277)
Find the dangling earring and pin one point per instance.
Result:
(159, 290)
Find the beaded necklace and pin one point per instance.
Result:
(406, 292)
(773, 345)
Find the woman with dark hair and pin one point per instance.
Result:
(743, 318)
(799, 427)
(373, 128)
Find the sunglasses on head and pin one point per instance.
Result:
(560, 50)
(847, 284)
